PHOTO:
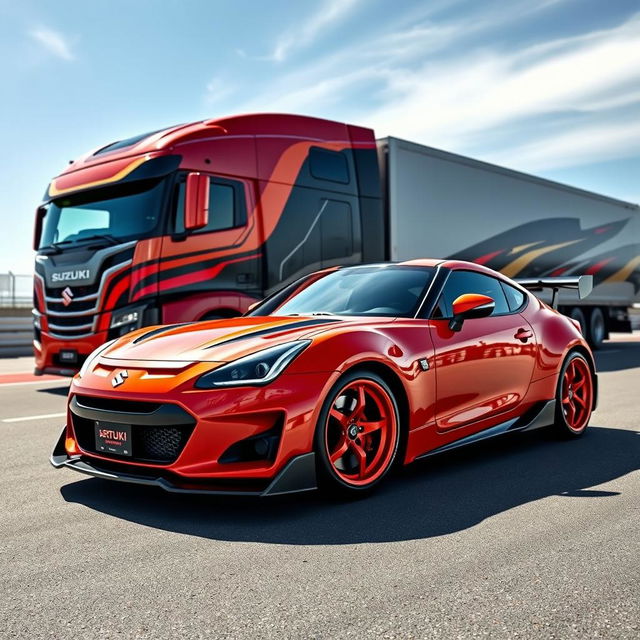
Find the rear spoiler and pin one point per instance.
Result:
(582, 284)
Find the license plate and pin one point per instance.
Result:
(113, 438)
(68, 355)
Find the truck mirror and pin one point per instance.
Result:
(196, 202)
(37, 229)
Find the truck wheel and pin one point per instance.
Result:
(597, 328)
(577, 314)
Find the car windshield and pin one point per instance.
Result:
(385, 290)
(114, 215)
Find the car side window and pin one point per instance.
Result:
(515, 297)
(461, 282)
(227, 208)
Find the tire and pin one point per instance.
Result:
(577, 314)
(357, 435)
(574, 396)
(597, 328)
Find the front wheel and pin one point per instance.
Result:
(357, 435)
(574, 396)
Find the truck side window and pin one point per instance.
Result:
(328, 165)
(227, 208)
(461, 282)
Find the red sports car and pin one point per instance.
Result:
(331, 382)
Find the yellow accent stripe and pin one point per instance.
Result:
(54, 191)
(622, 274)
(515, 267)
(522, 247)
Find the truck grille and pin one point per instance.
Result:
(78, 319)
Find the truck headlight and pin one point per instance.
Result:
(256, 369)
(126, 320)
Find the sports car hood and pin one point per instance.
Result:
(214, 341)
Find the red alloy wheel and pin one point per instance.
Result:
(361, 432)
(577, 394)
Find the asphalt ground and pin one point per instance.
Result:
(521, 537)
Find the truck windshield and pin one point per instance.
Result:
(116, 214)
(386, 290)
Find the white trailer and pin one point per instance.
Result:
(445, 205)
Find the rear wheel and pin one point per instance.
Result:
(574, 396)
(357, 435)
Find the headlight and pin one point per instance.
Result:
(256, 369)
(126, 317)
(125, 320)
(92, 356)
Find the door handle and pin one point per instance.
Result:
(523, 334)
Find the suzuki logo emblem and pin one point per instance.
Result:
(119, 378)
(67, 297)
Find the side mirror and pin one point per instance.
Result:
(470, 305)
(37, 228)
(196, 201)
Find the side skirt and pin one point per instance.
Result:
(542, 417)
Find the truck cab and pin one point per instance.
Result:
(197, 221)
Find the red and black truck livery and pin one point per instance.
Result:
(198, 221)
(232, 208)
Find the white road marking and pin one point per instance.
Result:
(40, 417)
(15, 384)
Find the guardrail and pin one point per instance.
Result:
(16, 290)
(16, 335)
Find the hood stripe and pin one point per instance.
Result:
(279, 329)
(155, 332)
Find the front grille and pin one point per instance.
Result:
(82, 305)
(162, 443)
(112, 404)
(70, 322)
(155, 444)
(159, 432)
(63, 320)
(78, 291)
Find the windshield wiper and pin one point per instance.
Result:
(112, 240)
(56, 247)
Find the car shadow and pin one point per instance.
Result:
(56, 391)
(617, 356)
(434, 497)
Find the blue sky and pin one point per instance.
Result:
(550, 87)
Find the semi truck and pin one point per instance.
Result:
(200, 220)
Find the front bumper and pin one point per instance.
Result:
(298, 475)
(48, 349)
(214, 428)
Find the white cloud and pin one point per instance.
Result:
(53, 41)
(330, 13)
(447, 104)
(574, 147)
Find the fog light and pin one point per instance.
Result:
(71, 447)
(261, 447)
